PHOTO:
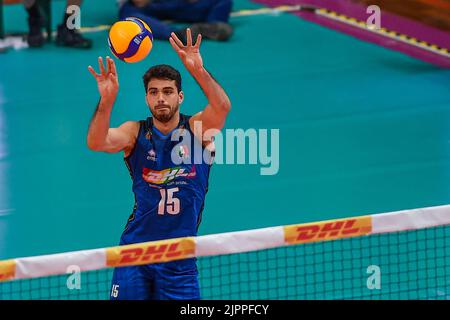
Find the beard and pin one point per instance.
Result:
(165, 116)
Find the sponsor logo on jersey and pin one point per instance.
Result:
(151, 155)
(183, 152)
(167, 175)
(328, 230)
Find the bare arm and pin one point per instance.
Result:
(103, 138)
(100, 136)
(215, 113)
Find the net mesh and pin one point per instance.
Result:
(410, 264)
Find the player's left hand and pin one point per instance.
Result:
(189, 53)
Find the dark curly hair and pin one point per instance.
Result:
(162, 71)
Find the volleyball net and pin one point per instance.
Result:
(396, 255)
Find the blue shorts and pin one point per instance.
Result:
(175, 280)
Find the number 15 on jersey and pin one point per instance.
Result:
(169, 203)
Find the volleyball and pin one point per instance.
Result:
(130, 40)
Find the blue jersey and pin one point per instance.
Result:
(169, 196)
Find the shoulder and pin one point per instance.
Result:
(131, 129)
(130, 126)
(188, 120)
(194, 123)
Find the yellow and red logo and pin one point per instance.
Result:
(7, 270)
(327, 230)
(151, 252)
(167, 175)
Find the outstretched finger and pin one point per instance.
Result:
(102, 67)
(92, 71)
(108, 65)
(113, 67)
(174, 45)
(177, 41)
(188, 37)
(199, 40)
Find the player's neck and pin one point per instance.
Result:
(166, 127)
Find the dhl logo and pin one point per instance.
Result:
(151, 252)
(7, 270)
(167, 175)
(328, 230)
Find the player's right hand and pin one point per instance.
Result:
(107, 81)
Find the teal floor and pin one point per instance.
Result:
(362, 130)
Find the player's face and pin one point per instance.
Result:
(163, 99)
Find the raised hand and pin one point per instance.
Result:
(189, 53)
(107, 80)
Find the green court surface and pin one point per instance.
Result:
(362, 130)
